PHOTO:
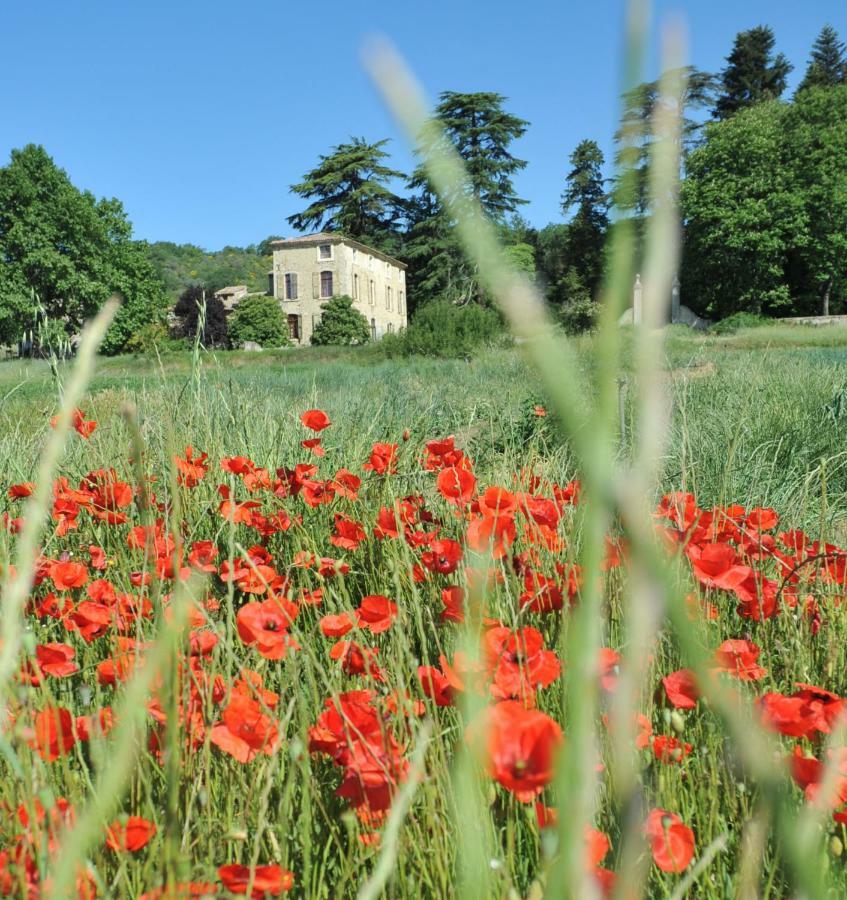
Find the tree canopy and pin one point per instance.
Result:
(64, 252)
(350, 193)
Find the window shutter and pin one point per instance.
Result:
(316, 286)
(293, 285)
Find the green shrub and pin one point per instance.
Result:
(577, 311)
(443, 329)
(258, 318)
(738, 320)
(152, 337)
(340, 324)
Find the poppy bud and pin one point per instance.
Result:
(677, 722)
(836, 848)
(492, 794)
(666, 715)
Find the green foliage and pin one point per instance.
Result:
(258, 318)
(442, 329)
(577, 310)
(816, 162)
(152, 338)
(68, 250)
(742, 214)
(522, 257)
(349, 193)
(183, 265)
(736, 321)
(752, 74)
(341, 324)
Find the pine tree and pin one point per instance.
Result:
(482, 132)
(828, 62)
(587, 229)
(350, 194)
(752, 73)
(634, 138)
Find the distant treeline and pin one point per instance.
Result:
(763, 198)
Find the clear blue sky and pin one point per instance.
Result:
(198, 116)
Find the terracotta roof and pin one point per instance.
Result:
(333, 237)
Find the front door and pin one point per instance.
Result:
(294, 328)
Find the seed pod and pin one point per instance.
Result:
(836, 848)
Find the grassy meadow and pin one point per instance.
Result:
(218, 767)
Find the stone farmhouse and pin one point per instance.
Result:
(308, 271)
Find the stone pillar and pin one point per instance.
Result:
(675, 300)
(636, 301)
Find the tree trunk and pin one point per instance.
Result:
(825, 303)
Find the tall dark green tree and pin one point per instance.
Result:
(753, 72)
(634, 138)
(828, 62)
(63, 253)
(482, 132)
(586, 193)
(350, 193)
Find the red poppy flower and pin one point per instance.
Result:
(520, 746)
(68, 575)
(337, 626)
(82, 427)
(383, 459)
(498, 502)
(443, 556)
(54, 733)
(716, 565)
(809, 710)
(348, 534)
(18, 491)
(681, 689)
(313, 444)
(190, 468)
(491, 534)
(456, 485)
(671, 842)
(519, 662)
(131, 835)
(245, 731)
(376, 613)
(738, 658)
(56, 660)
(435, 685)
(668, 749)
(265, 880)
(315, 419)
(264, 625)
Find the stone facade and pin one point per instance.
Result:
(308, 271)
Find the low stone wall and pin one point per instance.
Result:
(814, 320)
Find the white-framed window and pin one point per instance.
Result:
(355, 285)
(390, 328)
(401, 303)
(326, 283)
(271, 284)
(324, 251)
(372, 292)
(373, 329)
(290, 285)
(388, 298)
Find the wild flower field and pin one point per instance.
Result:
(301, 627)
